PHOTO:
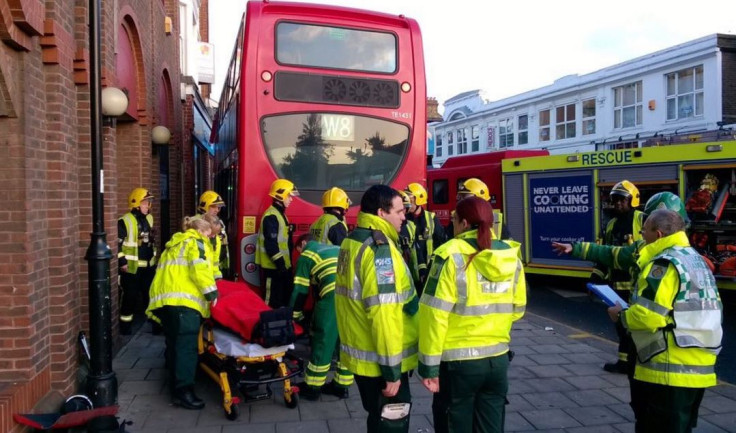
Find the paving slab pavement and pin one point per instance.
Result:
(556, 384)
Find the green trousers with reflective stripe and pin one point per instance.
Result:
(472, 397)
(181, 329)
(324, 345)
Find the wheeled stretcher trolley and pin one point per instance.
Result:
(246, 371)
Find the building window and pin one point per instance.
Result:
(505, 133)
(438, 144)
(685, 93)
(565, 118)
(438, 151)
(475, 138)
(523, 129)
(589, 117)
(627, 107)
(544, 125)
(462, 142)
(450, 145)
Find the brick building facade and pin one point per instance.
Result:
(46, 172)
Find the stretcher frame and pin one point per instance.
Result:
(234, 374)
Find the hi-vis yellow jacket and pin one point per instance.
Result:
(467, 309)
(217, 243)
(184, 276)
(263, 258)
(675, 316)
(320, 229)
(375, 302)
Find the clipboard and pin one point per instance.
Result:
(607, 295)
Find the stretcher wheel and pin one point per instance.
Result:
(291, 401)
(234, 412)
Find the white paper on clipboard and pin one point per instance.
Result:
(607, 295)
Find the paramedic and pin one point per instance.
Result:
(475, 291)
(376, 307)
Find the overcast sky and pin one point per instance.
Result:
(509, 47)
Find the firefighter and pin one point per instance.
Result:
(407, 244)
(330, 228)
(136, 257)
(180, 295)
(475, 291)
(376, 307)
(317, 267)
(430, 234)
(478, 188)
(623, 229)
(275, 245)
(210, 203)
(675, 321)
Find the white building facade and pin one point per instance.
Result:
(686, 88)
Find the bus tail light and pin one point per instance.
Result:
(249, 249)
(266, 76)
(405, 87)
(250, 267)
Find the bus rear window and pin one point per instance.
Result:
(335, 48)
(317, 151)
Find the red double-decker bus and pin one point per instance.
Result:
(323, 96)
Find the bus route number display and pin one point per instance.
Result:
(338, 127)
(560, 210)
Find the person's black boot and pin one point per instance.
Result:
(619, 367)
(334, 389)
(186, 398)
(309, 392)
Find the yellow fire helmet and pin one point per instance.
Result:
(627, 189)
(209, 198)
(336, 197)
(282, 188)
(419, 193)
(475, 187)
(405, 199)
(137, 196)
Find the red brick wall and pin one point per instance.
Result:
(46, 178)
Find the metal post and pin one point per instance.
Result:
(102, 385)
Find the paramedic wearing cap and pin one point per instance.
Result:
(275, 246)
(136, 257)
(210, 203)
(330, 228)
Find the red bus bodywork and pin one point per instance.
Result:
(247, 125)
(443, 182)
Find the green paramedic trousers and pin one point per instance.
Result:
(472, 396)
(181, 329)
(324, 344)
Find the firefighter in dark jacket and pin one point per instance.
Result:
(136, 257)
(623, 229)
(275, 246)
(429, 231)
(331, 228)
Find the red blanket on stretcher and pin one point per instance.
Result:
(238, 308)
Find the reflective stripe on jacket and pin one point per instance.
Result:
(282, 238)
(467, 309)
(129, 247)
(320, 230)
(375, 302)
(666, 298)
(184, 276)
